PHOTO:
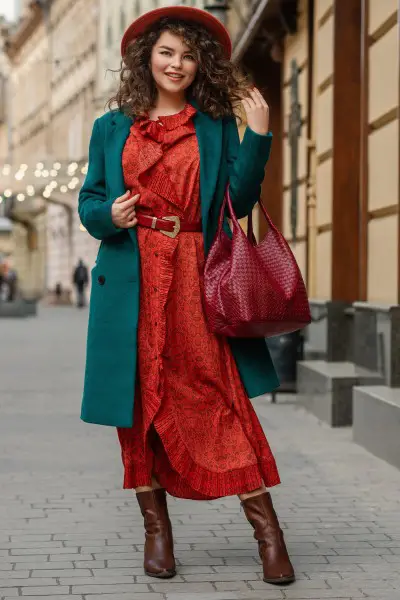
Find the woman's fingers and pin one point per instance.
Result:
(256, 96)
(260, 96)
(123, 198)
(129, 205)
(131, 223)
(247, 104)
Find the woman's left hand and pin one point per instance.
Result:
(257, 112)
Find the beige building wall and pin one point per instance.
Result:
(29, 117)
(383, 151)
(74, 73)
(323, 134)
(4, 101)
(296, 47)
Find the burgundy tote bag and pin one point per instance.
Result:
(250, 289)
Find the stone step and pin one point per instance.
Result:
(376, 421)
(18, 309)
(326, 389)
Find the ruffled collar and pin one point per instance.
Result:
(156, 129)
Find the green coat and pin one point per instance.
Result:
(114, 306)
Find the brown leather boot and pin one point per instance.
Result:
(271, 545)
(159, 558)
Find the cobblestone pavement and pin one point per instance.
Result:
(66, 527)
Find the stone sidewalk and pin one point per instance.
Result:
(67, 529)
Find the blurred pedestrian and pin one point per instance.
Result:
(12, 282)
(158, 167)
(81, 280)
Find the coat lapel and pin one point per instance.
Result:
(209, 136)
(117, 135)
(118, 132)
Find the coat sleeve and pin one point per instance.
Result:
(93, 207)
(246, 164)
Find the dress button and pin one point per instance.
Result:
(101, 279)
(156, 254)
(155, 289)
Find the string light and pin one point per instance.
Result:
(1, 199)
(63, 177)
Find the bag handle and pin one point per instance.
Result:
(228, 201)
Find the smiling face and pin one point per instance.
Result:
(173, 64)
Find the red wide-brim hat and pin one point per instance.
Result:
(186, 13)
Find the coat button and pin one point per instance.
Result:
(101, 279)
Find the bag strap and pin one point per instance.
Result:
(250, 233)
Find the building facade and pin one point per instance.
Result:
(330, 71)
(53, 56)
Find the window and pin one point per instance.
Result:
(109, 35)
(122, 19)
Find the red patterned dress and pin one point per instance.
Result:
(194, 426)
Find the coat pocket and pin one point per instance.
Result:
(114, 297)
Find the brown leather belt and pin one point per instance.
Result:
(169, 226)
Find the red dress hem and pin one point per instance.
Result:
(175, 469)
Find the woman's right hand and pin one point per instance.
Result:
(123, 211)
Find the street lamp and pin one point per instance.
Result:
(218, 8)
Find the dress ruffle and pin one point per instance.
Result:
(158, 130)
(148, 169)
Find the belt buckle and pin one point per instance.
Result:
(176, 229)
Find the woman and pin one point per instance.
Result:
(158, 168)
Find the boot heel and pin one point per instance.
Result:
(162, 575)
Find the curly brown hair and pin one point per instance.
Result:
(217, 89)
